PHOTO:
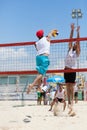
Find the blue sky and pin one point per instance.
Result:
(20, 19)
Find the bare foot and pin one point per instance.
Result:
(29, 89)
(70, 109)
(50, 109)
(72, 113)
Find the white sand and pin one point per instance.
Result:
(14, 116)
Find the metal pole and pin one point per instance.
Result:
(76, 13)
(77, 18)
(78, 57)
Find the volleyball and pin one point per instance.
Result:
(57, 110)
(55, 33)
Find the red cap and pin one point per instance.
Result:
(40, 33)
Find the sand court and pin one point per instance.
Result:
(17, 116)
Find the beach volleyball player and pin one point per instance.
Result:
(70, 62)
(42, 58)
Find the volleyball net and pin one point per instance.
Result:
(19, 58)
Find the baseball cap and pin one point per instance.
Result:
(40, 33)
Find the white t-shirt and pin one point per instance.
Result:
(43, 46)
(60, 95)
(45, 88)
(71, 58)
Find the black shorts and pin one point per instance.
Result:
(76, 94)
(60, 99)
(70, 77)
(43, 94)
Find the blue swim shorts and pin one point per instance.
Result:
(42, 63)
